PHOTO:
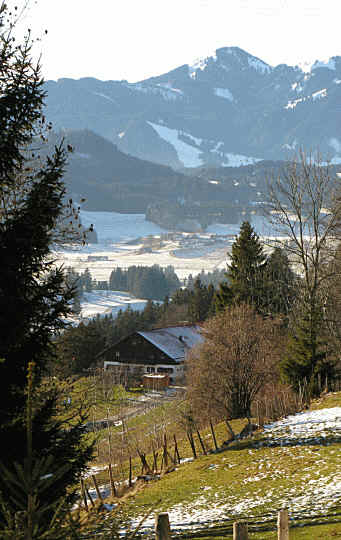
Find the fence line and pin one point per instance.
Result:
(239, 529)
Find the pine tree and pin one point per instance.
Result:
(306, 362)
(34, 298)
(87, 280)
(244, 274)
(200, 301)
(279, 284)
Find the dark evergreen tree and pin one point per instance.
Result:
(200, 301)
(173, 281)
(279, 284)
(118, 280)
(34, 298)
(244, 274)
(86, 280)
(78, 347)
(182, 296)
(306, 363)
(76, 305)
(224, 296)
(150, 282)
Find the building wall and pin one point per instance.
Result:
(136, 349)
(175, 372)
(136, 352)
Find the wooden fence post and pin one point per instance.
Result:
(84, 495)
(192, 444)
(112, 483)
(240, 531)
(130, 472)
(201, 443)
(283, 524)
(99, 495)
(176, 451)
(162, 527)
(213, 435)
(155, 456)
(89, 497)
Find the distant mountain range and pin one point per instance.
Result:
(111, 180)
(225, 110)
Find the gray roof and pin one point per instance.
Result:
(175, 341)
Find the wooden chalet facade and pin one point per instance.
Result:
(161, 351)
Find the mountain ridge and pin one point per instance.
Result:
(227, 109)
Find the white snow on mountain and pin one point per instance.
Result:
(309, 66)
(105, 97)
(187, 154)
(292, 103)
(218, 146)
(319, 94)
(232, 160)
(196, 140)
(167, 93)
(297, 87)
(169, 86)
(329, 64)
(200, 63)
(259, 65)
(314, 96)
(224, 93)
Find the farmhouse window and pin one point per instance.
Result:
(164, 370)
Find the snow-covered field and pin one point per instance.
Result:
(120, 243)
(113, 227)
(109, 302)
(188, 254)
(115, 230)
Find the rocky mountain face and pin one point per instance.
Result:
(226, 110)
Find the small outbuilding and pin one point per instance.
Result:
(155, 382)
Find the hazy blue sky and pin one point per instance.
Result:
(135, 39)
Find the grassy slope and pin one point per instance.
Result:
(253, 480)
(245, 472)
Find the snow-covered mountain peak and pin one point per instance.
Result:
(328, 63)
(243, 58)
(201, 63)
(224, 105)
(228, 58)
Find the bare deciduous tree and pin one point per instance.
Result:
(303, 208)
(239, 355)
